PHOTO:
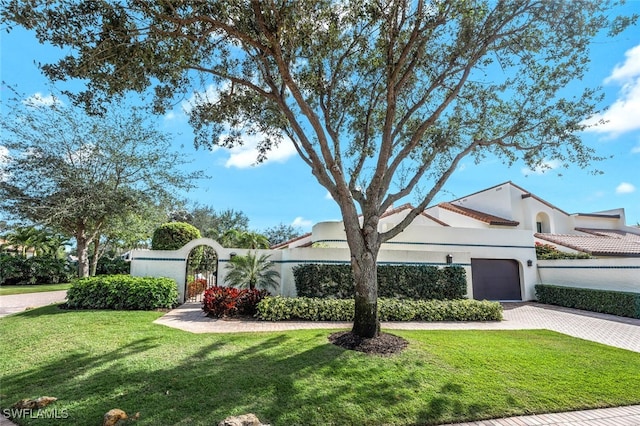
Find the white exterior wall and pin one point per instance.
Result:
(462, 243)
(496, 201)
(618, 274)
(595, 222)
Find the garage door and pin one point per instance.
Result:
(495, 279)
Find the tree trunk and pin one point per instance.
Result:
(364, 247)
(366, 322)
(82, 244)
(95, 256)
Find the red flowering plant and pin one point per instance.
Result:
(225, 302)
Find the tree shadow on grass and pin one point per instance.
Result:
(175, 378)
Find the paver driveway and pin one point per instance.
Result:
(14, 303)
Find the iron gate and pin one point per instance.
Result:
(202, 269)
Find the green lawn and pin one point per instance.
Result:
(24, 289)
(94, 361)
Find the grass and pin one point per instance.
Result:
(94, 361)
(24, 289)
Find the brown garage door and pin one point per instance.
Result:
(495, 279)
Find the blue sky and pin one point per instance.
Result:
(282, 190)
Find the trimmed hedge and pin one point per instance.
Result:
(122, 292)
(399, 281)
(604, 301)
(279, 308)
(173, 235)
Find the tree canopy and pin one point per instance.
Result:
(382, 99)
(211, 223)
(79, 174)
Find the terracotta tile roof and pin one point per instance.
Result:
(286, 243)
(409, 206)
(598, 242)
(481, 216)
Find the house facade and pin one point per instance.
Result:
(491, 233)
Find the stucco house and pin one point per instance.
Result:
(491, 233)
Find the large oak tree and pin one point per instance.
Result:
(382, 99)
(80, 174)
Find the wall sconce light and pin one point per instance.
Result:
(449, 259)
(529, 262)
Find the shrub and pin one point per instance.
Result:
(122, 292)
(401, 281)
(316, 309)
(111, 265)
(16, 270)
(173, 235)
(604, 301)
(550, 252)
(220, 302)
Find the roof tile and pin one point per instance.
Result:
(598, 242)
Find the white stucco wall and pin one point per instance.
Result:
(463, 243)
(618, 274)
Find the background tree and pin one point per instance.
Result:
(281, 233)
(211, 223)
(382, 100)
(77, 173)
(132, 230)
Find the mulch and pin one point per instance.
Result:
(383, 344)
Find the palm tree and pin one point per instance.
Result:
(251, 271)
(23, 239)
(244, 239)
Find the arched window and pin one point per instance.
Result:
(542, 223)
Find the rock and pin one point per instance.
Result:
(243, 420)
(41, 402)
(112, 417)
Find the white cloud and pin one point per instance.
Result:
(328, 196)
(625, 188)
(629, 70)
(246, 155)
(622, 115)
(300, 222)
(541, 169)
(635, 149)
(37, 100)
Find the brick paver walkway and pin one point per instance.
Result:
(607, 329)
(618, 416)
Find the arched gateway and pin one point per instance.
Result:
(198, 259)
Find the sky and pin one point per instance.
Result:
(283, 190)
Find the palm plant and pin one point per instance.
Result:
(244, 239)
(252, 271)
